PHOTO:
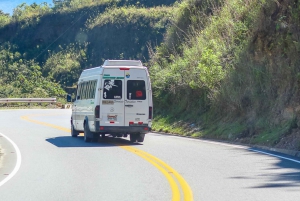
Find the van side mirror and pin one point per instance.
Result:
(69, 98)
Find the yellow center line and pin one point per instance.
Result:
(43, 123)
(187, 192)
(164, 168)
(172, 182)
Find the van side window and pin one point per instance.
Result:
(112, 89)
(78, 92)
(92, 86)
(93, 89)
(82, 92)
(88, 90)
(136, 90)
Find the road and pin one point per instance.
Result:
(55, 166)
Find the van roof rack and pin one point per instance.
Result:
(123, 63)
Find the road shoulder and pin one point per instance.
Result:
(272, 149)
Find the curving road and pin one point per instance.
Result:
(52, 165)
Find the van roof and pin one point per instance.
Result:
(111, 63)
(108, 63)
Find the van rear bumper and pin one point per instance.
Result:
(123, 129)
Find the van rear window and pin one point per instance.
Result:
(136, 90)
(112, 89)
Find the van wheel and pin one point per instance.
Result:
(87, 133)
(141, 137)
(133, 137)
(74, 133)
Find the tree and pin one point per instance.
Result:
(4, 18)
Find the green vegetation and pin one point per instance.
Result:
(155, 17)
(4, 19)
(44, 49)
(233, 74)
(23, 78)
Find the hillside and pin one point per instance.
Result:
(57, 43)
(234, 75)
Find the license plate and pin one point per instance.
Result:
(112, 117)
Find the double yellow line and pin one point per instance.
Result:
(174, 178)
(27, 118)
(168, 172)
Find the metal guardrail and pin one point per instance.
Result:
(27, 100)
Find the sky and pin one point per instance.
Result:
(7, 6)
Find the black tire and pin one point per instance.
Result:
(133, 137)
(87, 133)
(141, 137)
(74, 133)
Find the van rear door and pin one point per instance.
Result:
(112, 97)
(136, 97)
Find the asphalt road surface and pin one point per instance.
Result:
(41, 161)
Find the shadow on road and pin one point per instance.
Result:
(68, 141)
(282, 174)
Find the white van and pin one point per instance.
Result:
(114, 99)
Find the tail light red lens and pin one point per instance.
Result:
(97, 111)
(150, 113)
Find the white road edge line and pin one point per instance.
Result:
(241, 147)
(18, 164)
(282, 157)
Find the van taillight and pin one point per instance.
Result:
(150, 112)
(97, 111)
